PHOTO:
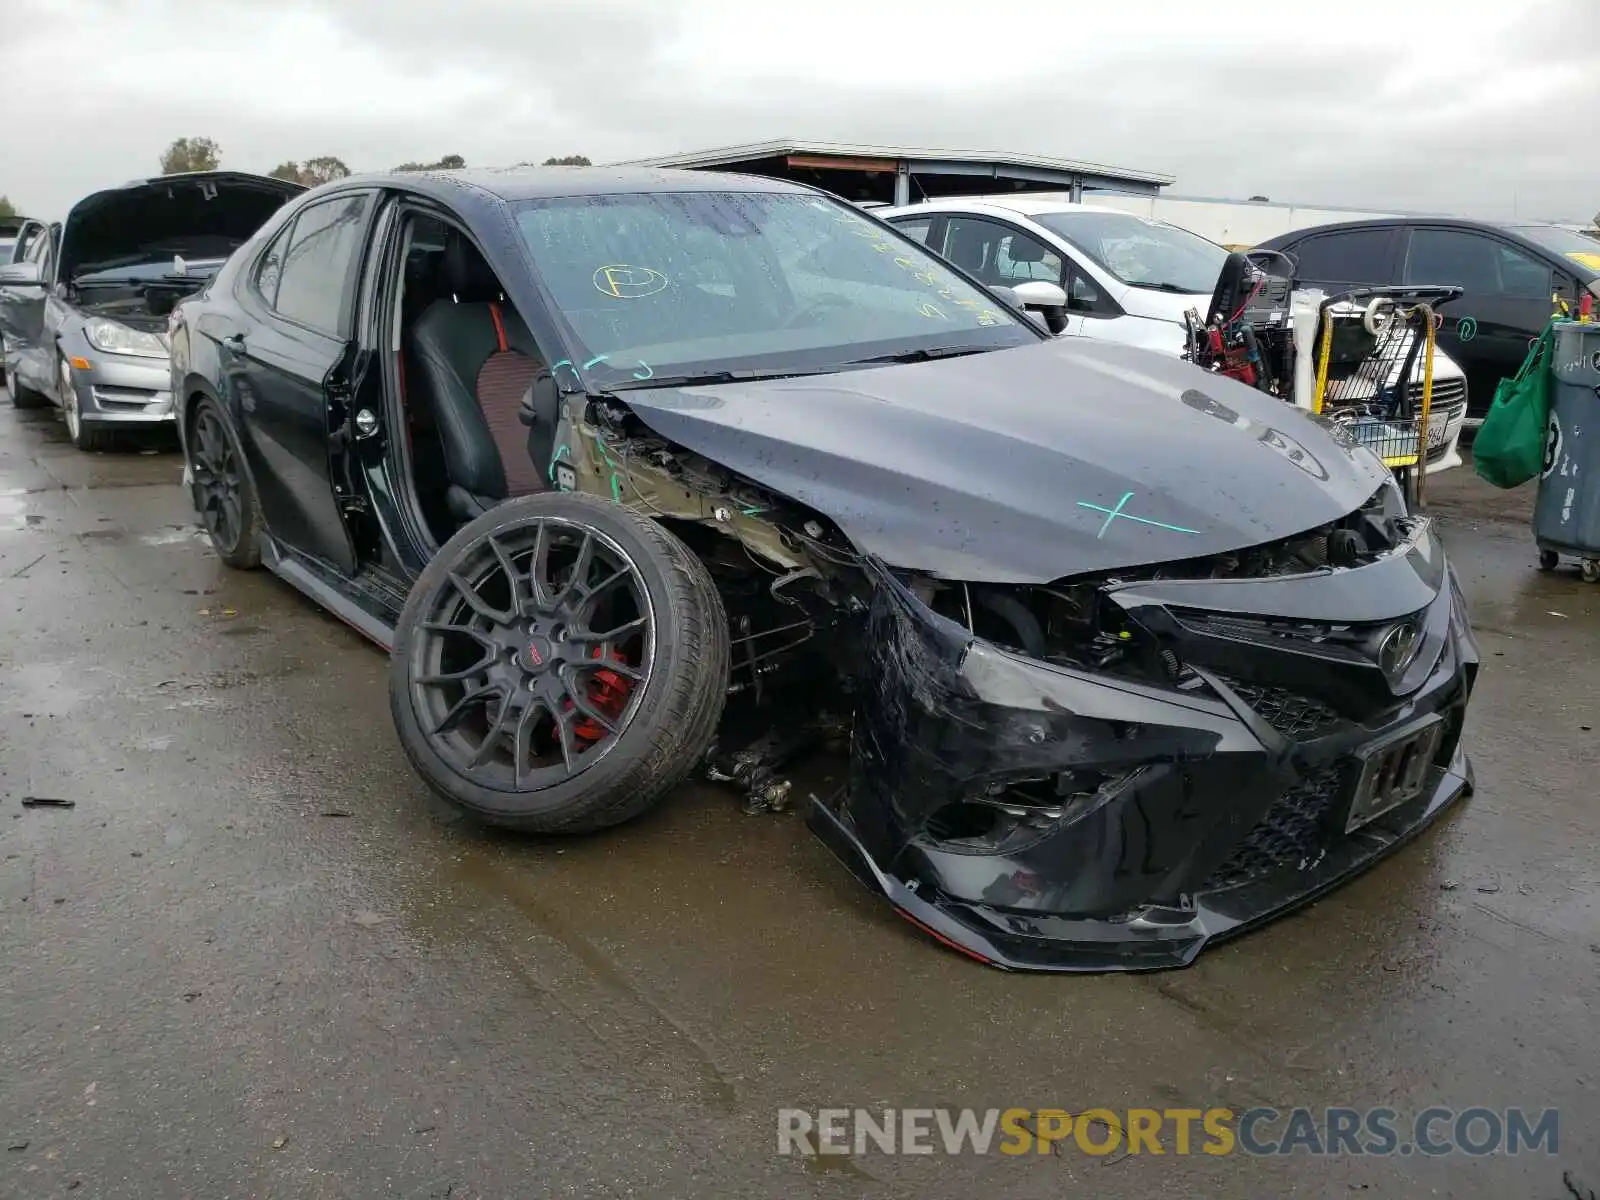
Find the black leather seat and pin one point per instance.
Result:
(471, 360)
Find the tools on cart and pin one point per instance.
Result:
(1246, 334)
(1374, 358)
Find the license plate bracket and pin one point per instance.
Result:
(1394, 771)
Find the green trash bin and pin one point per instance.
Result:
(1566, 516)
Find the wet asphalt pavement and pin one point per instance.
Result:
(257, 959)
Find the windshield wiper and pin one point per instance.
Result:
(1168, 287)
(925, 354)
(709, 377)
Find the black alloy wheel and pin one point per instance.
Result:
(222, 491)
(560, 665)
(530, 665)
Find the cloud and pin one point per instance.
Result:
(1367, 103)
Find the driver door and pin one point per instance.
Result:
(23, 288)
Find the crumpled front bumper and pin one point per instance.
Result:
(1206, 812)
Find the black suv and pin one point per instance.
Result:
(1509, 271)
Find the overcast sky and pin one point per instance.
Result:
(1479, 108)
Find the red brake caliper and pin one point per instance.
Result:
(608, 692)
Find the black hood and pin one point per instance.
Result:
(203, 214)
(1030, 464)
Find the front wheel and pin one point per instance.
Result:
(560, 665)
(84, 436)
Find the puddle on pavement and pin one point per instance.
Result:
(14, 514)
(176, 535)
(48, 689)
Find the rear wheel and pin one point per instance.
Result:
(222, 492)
(23, 396)
(1549, 560)
(560, 665)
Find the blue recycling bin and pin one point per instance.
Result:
(1566, 516)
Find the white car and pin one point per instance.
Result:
(1127, 278)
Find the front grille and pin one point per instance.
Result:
(1295, 831)
(126, 397)
(1446, 393)
(1291, 714)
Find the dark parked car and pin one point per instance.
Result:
(84, 314)
(1127, 658)
(1510, 273)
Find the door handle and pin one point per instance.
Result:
(234, 342)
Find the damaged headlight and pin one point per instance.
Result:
(110, 337)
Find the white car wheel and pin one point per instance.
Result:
(69, 403)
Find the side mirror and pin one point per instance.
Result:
(1048, 299)
(20, 275)
(1040, 294)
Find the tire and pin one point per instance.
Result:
(679, 661)
(85, 437)
(1549, 560)
(1591, 570)
(214, 455)
(25, 397)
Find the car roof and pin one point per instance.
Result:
(1512, 229)
(1027, 204)
(512, 184)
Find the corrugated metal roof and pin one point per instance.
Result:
(781, 146)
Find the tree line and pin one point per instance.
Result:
(203, 154)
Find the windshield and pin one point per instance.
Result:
(1140, 251)
(691, 283)
(155, 259)
(1578, 247)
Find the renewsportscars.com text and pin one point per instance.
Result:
(1176, 1131)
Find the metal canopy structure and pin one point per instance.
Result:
(902, 175)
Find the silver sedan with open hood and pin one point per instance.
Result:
(85, 313)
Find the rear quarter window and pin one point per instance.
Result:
(1356, 256)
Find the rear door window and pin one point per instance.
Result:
(1354, 256)
(998, 253)
(316, 276)
(915, 228)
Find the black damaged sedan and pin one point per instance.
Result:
(638, 474)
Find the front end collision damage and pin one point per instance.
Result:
(1042, 815)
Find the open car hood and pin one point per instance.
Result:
(1030, 464)
(202, 214)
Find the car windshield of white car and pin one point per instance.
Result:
(1141, 252)
(686, 284)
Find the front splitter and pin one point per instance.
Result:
(1149, 940)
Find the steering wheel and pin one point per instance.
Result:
(817, 307)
